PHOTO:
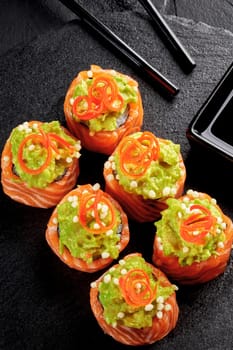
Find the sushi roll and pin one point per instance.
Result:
(134, 302)
(88, 229)
(193, 239)
(40, 163)
(101, 106)
(142, 172)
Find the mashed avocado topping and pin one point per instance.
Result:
(61, 149)
(108, 120)
(79, 239)
(194, 249)
(119, 312)
(161, 176)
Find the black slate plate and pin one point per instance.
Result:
(45, 304)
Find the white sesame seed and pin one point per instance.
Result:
(159, 314)
(166, 191)
(99, 206)
(113, 166)
(71, 101)
(69, 160)
(173, 191)
(54, 221)
(179, 214)
(138, 285)
(219, 220)
(160, 246)
(105, 255)
(104, 208)
(107, 278)
(74, 204)
(183, 206)
(77, 155)
(175, 287)
(78, 146)
(93, 284)
(28, 130)
(112, 269)
(75, 218)
(195, 233)
(96, 226)
(223, 225)
(34, 125)
(31, 147)
(111, 158)
(190, 192)
(114, 324)
(185, 249)
(96, 187)
(151, 194)
(167, 307)
(107, 165)
(120, 315)
(195, 194)
(213, 201)
(116, 281)
(133, 184)
(121, 262)
(70, 199)
(218, 231)
(89, 73)
(117, 177)
(123, 271)
(20, 127)
(6, 159)
(109, 232)
(160, 299)
(149, 307)
(75, 197)
(220, 245)
(110, 177)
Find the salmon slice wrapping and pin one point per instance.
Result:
(164, 311)
(200, 235)
(31, 195)
(129, 114)
(142, 207)
(88, 204)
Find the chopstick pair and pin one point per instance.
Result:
(160, 82)
(179, 52)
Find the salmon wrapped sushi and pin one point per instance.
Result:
(88, 229)
(142, 172)
(101, 106)
(193, 239)
(134, 302)
(40, 163)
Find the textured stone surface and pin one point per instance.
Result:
(44, 304)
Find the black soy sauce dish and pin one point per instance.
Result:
(212, 126)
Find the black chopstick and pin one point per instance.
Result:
(162, 84)
(173, 43)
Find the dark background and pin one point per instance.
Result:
(44, 304)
